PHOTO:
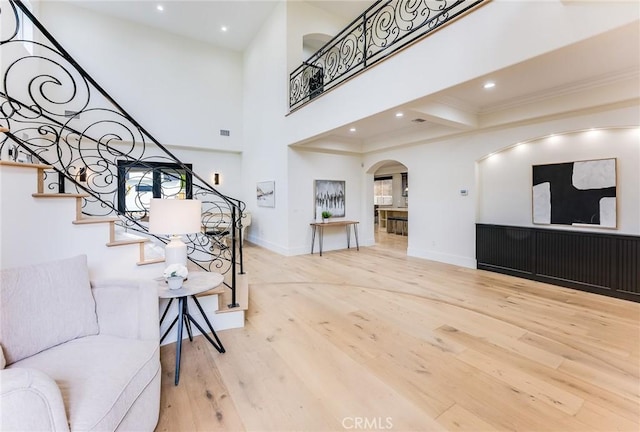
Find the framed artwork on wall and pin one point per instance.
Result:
(581, 193)
(266, 193)
(329, 195)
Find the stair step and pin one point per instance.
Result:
(26, 165)
(58, 195)
(150, 261)
(127, 242)
(4, 129)
(94, 220)
(217, 290)
(242, 296)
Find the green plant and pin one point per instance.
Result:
(326, 214)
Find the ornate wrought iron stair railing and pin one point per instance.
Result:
(381, 31)
(58, 115)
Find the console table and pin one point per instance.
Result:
(320, 226)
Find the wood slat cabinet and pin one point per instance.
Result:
(602, 263)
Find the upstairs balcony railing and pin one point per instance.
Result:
(58, 115)
(381, 31)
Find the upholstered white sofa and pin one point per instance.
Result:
(77, 355)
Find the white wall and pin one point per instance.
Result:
(158, 75)
(442, 222)
(265, 156)
(303, 19)
(305, 168)
(464, 50)
(504, 188)
(28, 238)
(181, 90)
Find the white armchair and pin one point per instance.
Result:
(78, 357)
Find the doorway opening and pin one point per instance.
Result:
(391, 205)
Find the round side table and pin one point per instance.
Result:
(196, 283)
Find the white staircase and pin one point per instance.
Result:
(37, 226)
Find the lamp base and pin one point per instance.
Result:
(175, 252)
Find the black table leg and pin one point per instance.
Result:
(217, 344)
(181, 304)
(355, 231)
(186, 321)
(175, 320)
(313, 238)
(347, 227)
(166, 310)
(321, 238)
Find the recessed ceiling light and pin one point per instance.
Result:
(489, 84)
(352, 130)
(160, 8)
(224, 28)
(399, 114)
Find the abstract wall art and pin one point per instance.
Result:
(579, 193)
(266, 193)
(330, 196)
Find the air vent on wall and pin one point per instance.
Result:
(418, 120)
(224, 132)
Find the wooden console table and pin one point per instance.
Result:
(320, 226)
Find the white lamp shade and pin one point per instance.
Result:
(175, 216)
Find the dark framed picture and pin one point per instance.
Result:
(266, 193)
(581, 193)
(329, 195)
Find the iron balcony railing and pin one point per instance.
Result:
(381, 31)
(58, 115)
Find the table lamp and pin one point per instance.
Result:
(175, 217)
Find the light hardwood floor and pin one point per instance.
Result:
(376, 340)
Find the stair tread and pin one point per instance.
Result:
(92, 220)
(217, 290)
(127, 242)
(58, 195)
(25, 164)
(150, 261)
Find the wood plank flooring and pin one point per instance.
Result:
(375, 340)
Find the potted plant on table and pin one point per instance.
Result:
(175, 274)
(325, 216)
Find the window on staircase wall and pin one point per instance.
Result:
(383, 191)
(139, 182)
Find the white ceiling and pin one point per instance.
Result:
(575, 73)
(203, 19)
(600, 71)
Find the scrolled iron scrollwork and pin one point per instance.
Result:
(59, 116)
(379, 32)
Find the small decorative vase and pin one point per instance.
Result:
(175, 282)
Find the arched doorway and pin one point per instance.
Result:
(390, 183)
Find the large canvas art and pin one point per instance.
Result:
(575, 193)
(330, 196)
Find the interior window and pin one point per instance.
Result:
(383, 191)
(139, 182)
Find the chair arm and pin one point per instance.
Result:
(127, 308)
(30, 401)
